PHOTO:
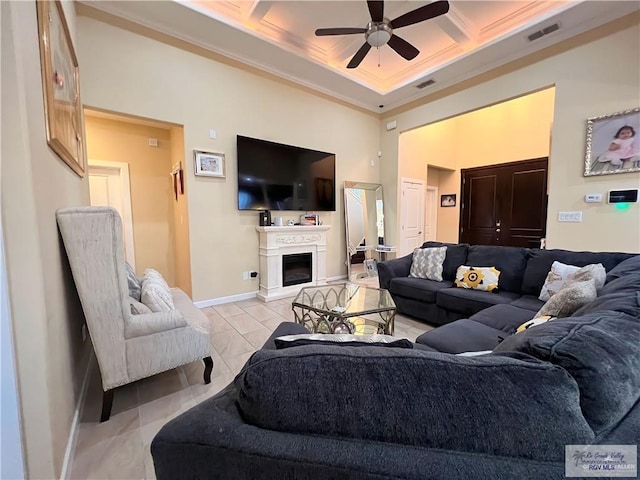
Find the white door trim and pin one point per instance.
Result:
(127, 218)
(434, 210)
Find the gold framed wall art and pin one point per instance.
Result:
(61, 86)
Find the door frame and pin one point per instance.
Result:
(421, 187)
(127, 220)
(434, 207)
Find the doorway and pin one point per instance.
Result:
(109, 186)
(412, 216)
(504, 204)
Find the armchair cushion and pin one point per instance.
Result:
(138, 307)
(156, 322)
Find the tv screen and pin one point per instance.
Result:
(272, 176)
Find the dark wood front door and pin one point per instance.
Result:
(504, 204)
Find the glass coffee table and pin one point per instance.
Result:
(345, 308)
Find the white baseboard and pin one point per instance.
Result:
(229, 299)
(73, 432)
(336, 279)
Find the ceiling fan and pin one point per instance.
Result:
(379, 30)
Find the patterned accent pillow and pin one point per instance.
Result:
(556, 278)
(478, 278)
(533, 322)
(156, 293)
(569, 299)
(133, 283)
(427, 263)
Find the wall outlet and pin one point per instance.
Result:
(84, 332)
(253, 274)
(245, 275)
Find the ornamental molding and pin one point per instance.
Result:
(297, 239)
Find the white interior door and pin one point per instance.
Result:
(431, 214)
(411, 215)
(109, 186)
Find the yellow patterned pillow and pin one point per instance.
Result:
(533, 322)
(478, 278)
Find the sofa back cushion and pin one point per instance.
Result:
(415, 397)
(619, 295)
(539, 264)
(510, 261)
(630, 265)
(456, 256)
(601, 352)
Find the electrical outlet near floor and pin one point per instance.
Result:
(245, 275)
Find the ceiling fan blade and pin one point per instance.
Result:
(359, 56)
(376, 9)
(421, 14)
(403, 48)
(321, 32)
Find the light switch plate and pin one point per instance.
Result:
(569, 216)
(213, 133)
(593, 197)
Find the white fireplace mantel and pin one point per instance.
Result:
(278, 241)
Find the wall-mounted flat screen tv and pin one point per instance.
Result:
(273, 176)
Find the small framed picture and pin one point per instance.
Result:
(612, 143)
(209, 164)
(448, 200)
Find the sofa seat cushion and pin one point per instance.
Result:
(540, 261)
(600, 350)
(503, 317)
(528, 302)
(417, 288)
(462, 336)
(414, 397)
(511, 261)
(469, 302)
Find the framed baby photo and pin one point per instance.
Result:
(209, 164)
(64, 121)
(448, 200)
(613, 145)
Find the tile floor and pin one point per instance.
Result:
(119, 448)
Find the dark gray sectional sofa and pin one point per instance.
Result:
(345, 412)
(523, 272)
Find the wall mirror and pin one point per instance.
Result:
(364, 222)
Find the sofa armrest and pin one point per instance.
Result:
(398, 267)
(149, 323)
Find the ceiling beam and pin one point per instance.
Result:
(459, 28)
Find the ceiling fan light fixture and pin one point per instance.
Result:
(378, 34)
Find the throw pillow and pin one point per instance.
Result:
(569, 299)
(478, 278)
(556, 278)
(594, 271)
(427, 263)
(533, 322)
(341, 339)
(156, 294)
(138, 308)
(133, 283)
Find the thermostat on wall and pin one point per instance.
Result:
(623, 196)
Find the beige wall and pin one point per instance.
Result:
(45, 311)
(517, 129)
(129, 73)
(585, 88)
(152, 198)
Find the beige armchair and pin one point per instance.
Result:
(128, 347)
